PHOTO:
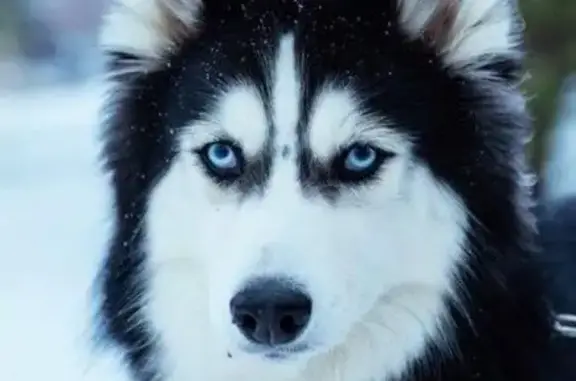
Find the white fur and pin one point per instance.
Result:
(286, 94)
(481, 28)
(336, 122)
(230, 118)
(377, 263)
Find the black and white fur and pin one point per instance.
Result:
(424, 268)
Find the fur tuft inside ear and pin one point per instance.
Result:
(468, 34)
(148, 29)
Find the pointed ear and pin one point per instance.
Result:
(467, 34)
(145, 30)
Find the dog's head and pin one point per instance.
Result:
(298, 178)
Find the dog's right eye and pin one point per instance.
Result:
(222, 159)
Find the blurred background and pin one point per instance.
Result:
(51, 199)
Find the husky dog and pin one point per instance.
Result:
(322, 190)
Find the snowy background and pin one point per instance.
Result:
(52, 225)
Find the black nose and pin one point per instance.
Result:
(271, 311)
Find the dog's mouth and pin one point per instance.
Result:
(278, 353)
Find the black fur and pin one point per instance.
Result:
(558, 232)
(469, 131)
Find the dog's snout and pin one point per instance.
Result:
(271, 311)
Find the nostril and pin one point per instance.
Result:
(289, 325)
(294, 321)
(246, 321)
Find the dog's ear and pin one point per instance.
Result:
(146, 30)
(484, 35)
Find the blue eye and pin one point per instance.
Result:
(223, 160)
(221, 155)
(359, 163)
(359, 158)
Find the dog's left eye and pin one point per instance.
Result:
(222, 159)
(359, 162)
(360, 157)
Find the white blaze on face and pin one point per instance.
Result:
(286, 95)
(376, 263)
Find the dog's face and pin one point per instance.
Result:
(298, 208)
(316, 196)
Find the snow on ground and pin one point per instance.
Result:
(52, 227)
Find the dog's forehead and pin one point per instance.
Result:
(280, 103)
(273, 105)
(307, 71)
